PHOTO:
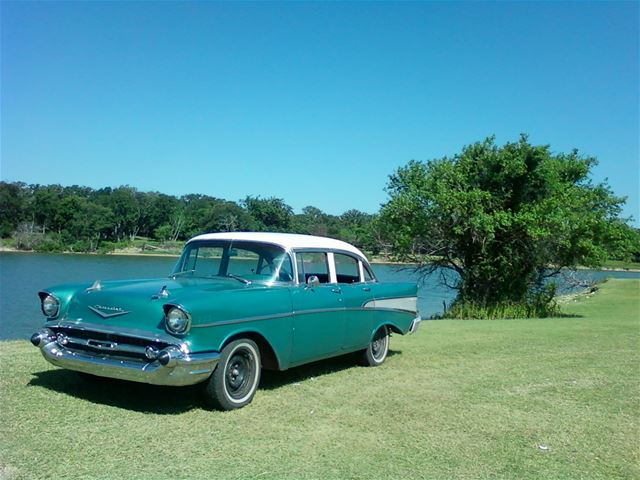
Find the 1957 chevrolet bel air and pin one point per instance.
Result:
(235, 303)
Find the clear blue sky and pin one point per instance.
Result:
(316, 103)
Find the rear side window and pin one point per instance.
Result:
(368, 275)
(347, 270)
(312, 263)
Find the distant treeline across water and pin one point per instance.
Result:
(57, 218)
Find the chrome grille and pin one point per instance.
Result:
(105, 344)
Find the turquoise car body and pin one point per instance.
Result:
(299, 298)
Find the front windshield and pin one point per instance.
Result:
(244, 261)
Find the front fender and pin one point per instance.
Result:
(266, 313)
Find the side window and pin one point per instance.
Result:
(312, 263)
(347, 269)
(368, 275)
(279, 266)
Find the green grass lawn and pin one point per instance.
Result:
(621, 265)
(552, 398)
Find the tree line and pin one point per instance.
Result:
(83, 219)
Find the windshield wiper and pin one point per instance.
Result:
(240, 279)
(180, 274)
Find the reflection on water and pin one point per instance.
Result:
(22, 275)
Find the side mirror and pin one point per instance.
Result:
(312, 281)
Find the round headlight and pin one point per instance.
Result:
(177, 320)
(50, 306)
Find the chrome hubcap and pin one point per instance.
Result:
(240, 371)
(379, 345)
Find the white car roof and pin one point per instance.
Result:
(289, 241)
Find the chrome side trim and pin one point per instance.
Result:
(187, 370)
(405, 304)
(396, 310)
(300, 312)
(244, 320)
(274, 316)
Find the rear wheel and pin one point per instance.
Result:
(235, 380)
(377, 350)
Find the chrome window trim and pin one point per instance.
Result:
(361, 271)
(363, 260)
(331, 261)
(372, 274)
(295, 253)
(358, 266)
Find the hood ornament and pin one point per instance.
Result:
(108, 312)
(96, 286)
(163, 293)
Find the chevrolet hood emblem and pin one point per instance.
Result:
(107, 312)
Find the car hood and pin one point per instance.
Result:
(138, 303)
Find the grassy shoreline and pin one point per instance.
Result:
(539, 398)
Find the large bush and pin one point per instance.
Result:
(504, 218)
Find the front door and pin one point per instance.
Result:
(318, 319)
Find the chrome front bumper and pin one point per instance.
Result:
(181, 368)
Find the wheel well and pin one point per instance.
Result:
(393, 328)
(267, 355)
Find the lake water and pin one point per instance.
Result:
(22, 275)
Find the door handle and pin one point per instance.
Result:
(336, 290)
(366, 289)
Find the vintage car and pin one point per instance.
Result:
(235, 303)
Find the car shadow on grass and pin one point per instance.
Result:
(272, 380)
(140, 397)
(145, 398)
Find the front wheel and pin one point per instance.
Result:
(377, 350)
(235, 380)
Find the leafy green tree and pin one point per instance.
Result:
(124, 203)
(44, 207)
(269, 213)
(355, 227)
(157, 209)
(504, 218)
(312, 221)
(85, 223)
(12, 203)
(203, 213)
(634, 240)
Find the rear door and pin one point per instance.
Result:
(318, 311)
(355, 295)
